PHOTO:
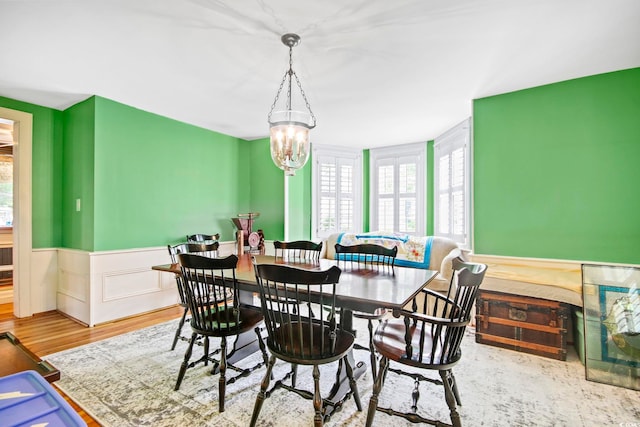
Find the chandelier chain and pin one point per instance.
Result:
(275, 101)
(306, 101)
(291, 73)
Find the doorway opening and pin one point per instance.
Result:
(6, 214)
(22, 215)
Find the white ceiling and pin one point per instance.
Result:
(376, 72)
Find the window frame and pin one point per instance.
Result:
(460, 136)
(340, 155)
(391, 155)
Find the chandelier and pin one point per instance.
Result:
(290, 128)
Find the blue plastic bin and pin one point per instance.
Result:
(27, 399)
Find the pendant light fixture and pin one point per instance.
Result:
(289, 128)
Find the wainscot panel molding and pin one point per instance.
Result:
(227, 248)
(117, 285)
(73, 289)
(99, 287)
(44, 279)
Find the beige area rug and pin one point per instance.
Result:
(128, 381)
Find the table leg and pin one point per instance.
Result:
(341, 389)
(245, 343)
(244, 346)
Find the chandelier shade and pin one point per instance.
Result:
(289, 128)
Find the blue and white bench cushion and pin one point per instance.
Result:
(413, 251)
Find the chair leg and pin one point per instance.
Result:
(339, 371)
(185, 362)
(262, 394)
(450, 398)
(294, 374)
(377, 388)
(222, 381)
(415, 395)
(317, 399)
(206, 352)
(454, 387)
(372, 351)
(179, 331)
(352, 383)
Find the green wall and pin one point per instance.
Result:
(430, 181)
(300, 203)
(158, 179)
(142, 179)
(555, 175)
(556, 170)
(366, 199)
(46, 184)
(266, 187)
(78, 176)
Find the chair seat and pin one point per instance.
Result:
(390, 341)
(301, 334)
(219, 325)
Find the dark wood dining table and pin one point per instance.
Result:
(361, 288)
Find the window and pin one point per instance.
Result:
(337, 191)
(452, 153)
(397, 189)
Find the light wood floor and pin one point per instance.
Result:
(50, 332)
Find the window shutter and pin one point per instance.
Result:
(337, 192)
(346, 196)
(452, 184)
(407, 196)
(397, 189)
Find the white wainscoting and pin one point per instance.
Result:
(98, 287)
(73, 288)
(44, 279)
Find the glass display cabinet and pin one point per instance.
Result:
(611, 313)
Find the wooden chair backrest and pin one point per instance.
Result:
(204, 249)
(367, 254)
(208, 249)
(206, 283)
(298, 249)
(442, 319)
(203, 237)
(286, 324)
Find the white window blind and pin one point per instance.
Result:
(452, 184)
(337, 191)
(397, 189)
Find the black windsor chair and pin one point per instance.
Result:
(369, 256)
(197, 238)
(210, 250)
(301, 339)
(428, 338)
(298, 250)
(213, 314)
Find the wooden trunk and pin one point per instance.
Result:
(530, 325)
